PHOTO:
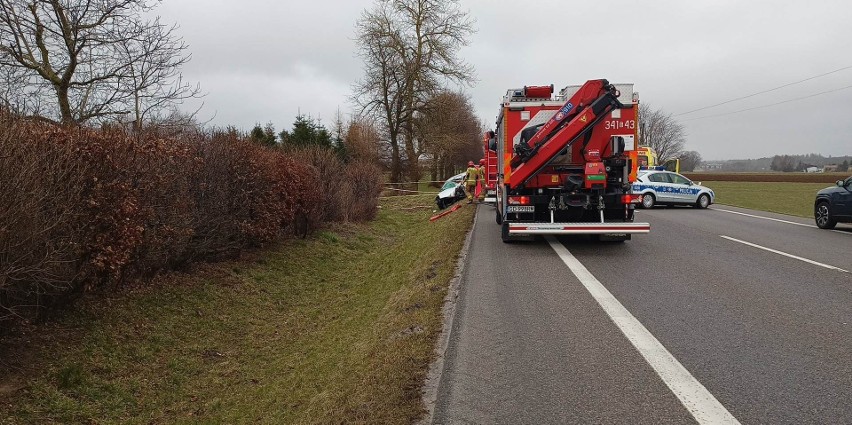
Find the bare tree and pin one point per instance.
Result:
(86, 60)
(154, 83)
(689, 160)
(449, 132)
(177, 124)
(785, 163)
(380, 93)
(661, 132)
(362, 140)
(410, 50)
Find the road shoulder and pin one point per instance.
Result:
(436, 368)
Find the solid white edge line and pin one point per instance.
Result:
(777, 219)
(775, 251)
(765, 218)
(692, 394)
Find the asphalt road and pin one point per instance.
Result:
(767, 334)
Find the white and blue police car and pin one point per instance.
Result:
(659, 187)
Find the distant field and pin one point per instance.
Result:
(785, 198)
(768, 177)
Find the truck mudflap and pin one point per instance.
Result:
(578, 228)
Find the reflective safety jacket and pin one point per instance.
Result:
(471, 176)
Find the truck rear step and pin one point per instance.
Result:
(578, 228)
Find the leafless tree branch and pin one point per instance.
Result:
(92, 60)
(410, 52)
(661, 132)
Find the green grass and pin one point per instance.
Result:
(339, 328)
(785, 198)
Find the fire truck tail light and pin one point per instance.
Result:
(630, 198)
(519, 200)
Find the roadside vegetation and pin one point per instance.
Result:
(153, 269)
(98, 209)
(336, 328)
(784, 198)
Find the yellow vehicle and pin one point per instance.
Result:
(646, 159)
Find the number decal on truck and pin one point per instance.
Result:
(618, 125)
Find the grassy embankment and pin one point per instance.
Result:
(785, 198)
(338, 328)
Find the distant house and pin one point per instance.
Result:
(830, 168)
(711, 166)
(813, 169)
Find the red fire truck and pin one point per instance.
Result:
(564, 162)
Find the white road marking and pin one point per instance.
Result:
(765, 218)
(777, 219)
(816, 263)
(692, 394)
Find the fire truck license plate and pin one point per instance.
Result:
(521, 208)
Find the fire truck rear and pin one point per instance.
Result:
(564, 162)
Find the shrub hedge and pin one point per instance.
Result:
(83, 208)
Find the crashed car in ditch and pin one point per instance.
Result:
(451, 192)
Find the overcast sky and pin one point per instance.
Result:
(265, 60)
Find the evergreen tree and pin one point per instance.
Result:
(338, 130)
(307, 132)
(339, 147)
(844, 166)
(263, 135)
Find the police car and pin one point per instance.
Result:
(658, 187)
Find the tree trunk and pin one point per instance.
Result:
(396, 164)
(434, 168)
(66, 117)
(414, 173)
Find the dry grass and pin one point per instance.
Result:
(338, 328)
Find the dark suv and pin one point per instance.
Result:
(834, 205)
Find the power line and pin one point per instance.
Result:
(773, 104)
(765, 91)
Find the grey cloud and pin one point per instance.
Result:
(263, 60)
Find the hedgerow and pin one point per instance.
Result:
(84, 209)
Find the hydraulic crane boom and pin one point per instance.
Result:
(573, 120)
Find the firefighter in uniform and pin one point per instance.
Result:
(471, 178)
(480, 188)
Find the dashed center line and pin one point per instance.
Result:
(692, 394)
(816, 263)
